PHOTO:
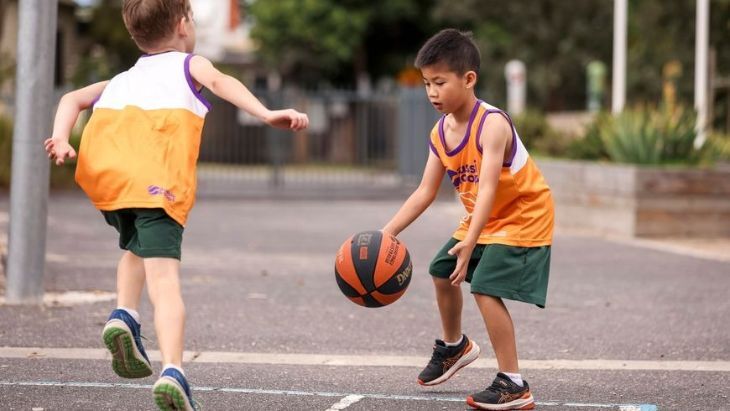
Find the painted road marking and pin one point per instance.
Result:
(620, 407)
(69, 298)
(220, 357)
(345, 402)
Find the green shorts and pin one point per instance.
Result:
(146, 232)
(515, 273)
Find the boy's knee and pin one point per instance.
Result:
(443, 284)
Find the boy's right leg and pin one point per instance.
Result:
(122, 334)
(456, 350)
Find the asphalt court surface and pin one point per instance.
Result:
(258, 279)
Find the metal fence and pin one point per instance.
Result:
(355, 145)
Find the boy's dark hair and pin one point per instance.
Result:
(151, 21)
(452, 47)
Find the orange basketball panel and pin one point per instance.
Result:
(386, 299)
(346, 269)
(390, 257)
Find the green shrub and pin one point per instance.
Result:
(61, 177)
(537, 135)
(642, 136)
(590, 146)
(717, 148)
(6, 139)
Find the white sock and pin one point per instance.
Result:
(131, 312)
(454, 344)
(516, 378)
(172, 366)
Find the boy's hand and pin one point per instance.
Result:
(462, 251)
(59, 149)
(287, 119)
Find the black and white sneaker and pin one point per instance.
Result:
(446, 361)
(503, 394)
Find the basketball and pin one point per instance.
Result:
(373, 269)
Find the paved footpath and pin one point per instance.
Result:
(629, 326)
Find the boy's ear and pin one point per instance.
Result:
(470, 78)
(182, 28)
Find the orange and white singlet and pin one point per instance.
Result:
(140, 146)
(522, 214)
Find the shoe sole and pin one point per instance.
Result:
(524, 403)
(170, 395)
(462, 362)
(127, 361)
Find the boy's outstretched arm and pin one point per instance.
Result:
(421, 198)
(232, 90)
(494, 138)
(71, 104)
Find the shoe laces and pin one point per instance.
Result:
(497, 387)
(438, 356)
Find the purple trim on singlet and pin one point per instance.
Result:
(513, 151)
(189, 78)
(477, 140)
(461, 145)
(156, 54)
(96, 100)
(432, 147)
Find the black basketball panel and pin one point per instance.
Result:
(344, 286)
(400, 279)
(365, 248)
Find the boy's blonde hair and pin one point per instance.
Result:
(150, 22)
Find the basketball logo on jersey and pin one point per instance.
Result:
(467, 173)
(159, 191)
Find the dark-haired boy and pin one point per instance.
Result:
(502, 244)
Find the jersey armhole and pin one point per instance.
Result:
(191, 83)
(513, 150)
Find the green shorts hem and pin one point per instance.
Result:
(155, 252)
(509, 294)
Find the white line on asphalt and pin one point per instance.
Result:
(345, 402)
(219, 357)
(620, 407)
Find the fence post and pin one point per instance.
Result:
(416, 118)
(30, 166)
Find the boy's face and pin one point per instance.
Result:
(447, 90)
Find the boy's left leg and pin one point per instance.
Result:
(505, 393)
(501, 331)
(171, 390)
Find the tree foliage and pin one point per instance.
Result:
(301, 38)
(313, 40)
(557, 38)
